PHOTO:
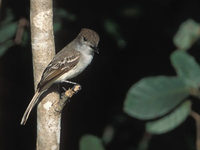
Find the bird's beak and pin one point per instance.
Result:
(96, 49)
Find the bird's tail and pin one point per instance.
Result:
(30, 107)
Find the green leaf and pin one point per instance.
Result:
(7, 31)
(186, 67)
(154, 97)
(187, 34)
(171, 121)
(90, 142)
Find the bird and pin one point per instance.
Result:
(66, 64)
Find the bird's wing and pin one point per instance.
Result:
(61, 63)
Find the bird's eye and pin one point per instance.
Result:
(84, 39)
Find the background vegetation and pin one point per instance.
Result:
(147, 47)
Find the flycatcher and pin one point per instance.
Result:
(66, 64)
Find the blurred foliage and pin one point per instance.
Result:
(8, 29)
(188, 33)
(170, 121)
(90, 142)
(61, 14)
(154, 97)
(113, 29)
(25, 38)
(144, 142)
(131, 11)
(108, 134)
(187, 68)
(8, 17)
(4, 47)
(159, 98)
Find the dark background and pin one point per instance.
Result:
(147, 27)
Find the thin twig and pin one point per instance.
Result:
(67, 95)
(144, 143)
(196, 117)
(23, 22)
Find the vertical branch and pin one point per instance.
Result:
(196, 117)
(43, 50)
(20, 30)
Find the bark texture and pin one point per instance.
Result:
(43, 50)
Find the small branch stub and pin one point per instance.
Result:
(67, 95)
